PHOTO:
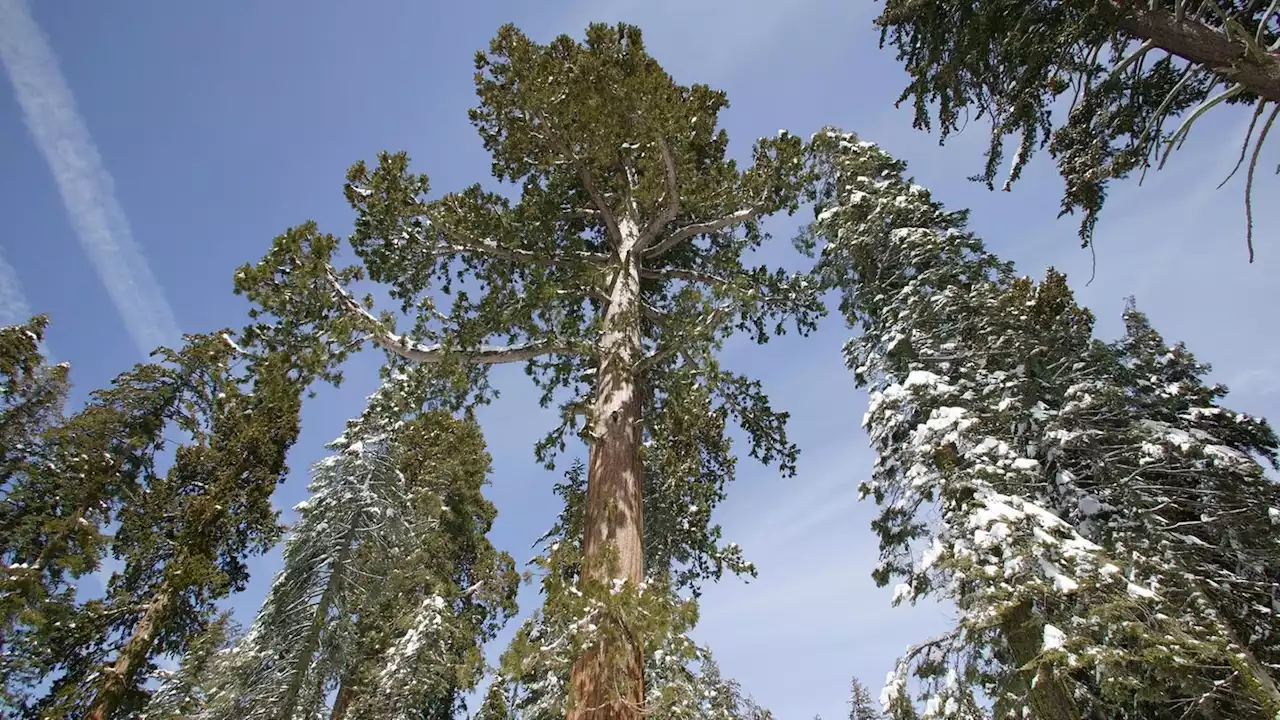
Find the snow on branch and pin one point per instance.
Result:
(688, 231)
(671, 208)
(418, 352)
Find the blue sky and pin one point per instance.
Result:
(151, 147)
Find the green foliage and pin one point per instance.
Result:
(389, 588)
(1013, 62)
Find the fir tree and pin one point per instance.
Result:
(182, 535)
(1131, 67)
(615, 277)
(978, 380)
(861, 706)
(389, 588)
(34, 587)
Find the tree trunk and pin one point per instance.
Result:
(1201, 44)
(118, 679)
(342, 701)
(1047, 695)
(608, 680)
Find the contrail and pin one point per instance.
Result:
(86, 187)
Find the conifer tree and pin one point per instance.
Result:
(861, 707)
(615, 277)
(34, 586)
(682, 677)
(389, 588)
(1138, 74)
(978, 380)
(181, 535)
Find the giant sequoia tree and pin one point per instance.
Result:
(615, 277)
(1138, 74)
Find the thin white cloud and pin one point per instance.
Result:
(86, 188)
(13, 303)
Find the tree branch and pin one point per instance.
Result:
(417, 352)
(737, 218)
(459, 242)
(1258, 72)
(672, 207)
(588, 181)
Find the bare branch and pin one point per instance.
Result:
(737, 218)
(672, 207)
(417, 352)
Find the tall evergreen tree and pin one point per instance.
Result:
(978, 380)
(615, 277)
(181, 535)
(35, 585)
(1132, 68)
(389, 588)
(861, 707)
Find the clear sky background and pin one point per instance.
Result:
(148, 148)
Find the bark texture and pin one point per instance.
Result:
(118, 678)
(614, 529)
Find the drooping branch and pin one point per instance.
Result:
(418, 352)
(671, 208)
(1237, 59)
(744, 215)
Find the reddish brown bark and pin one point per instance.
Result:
(118, 679)
(346, 694)
(608, 681)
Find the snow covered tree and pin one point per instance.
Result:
(389, 587)
(615, 277)
(861, 707)
(1132, 67)
(978, 379)
(1164, 474)
(181, 535)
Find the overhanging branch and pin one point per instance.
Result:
(418, 352)
(461, 243)
(1254, 68)
(737, 218)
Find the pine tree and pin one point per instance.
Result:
(978, 380)
(614, 277)
(861, 706)
(182, 535)
(389, 588)
(1132, 67)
